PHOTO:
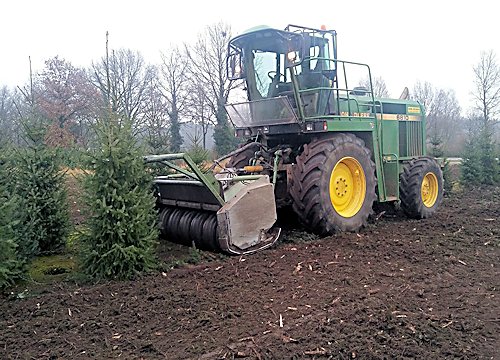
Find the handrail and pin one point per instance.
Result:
(334, 88)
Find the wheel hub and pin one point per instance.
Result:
(429, 189)
(341, 187)
(347, 187)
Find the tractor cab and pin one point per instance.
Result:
(289, 74)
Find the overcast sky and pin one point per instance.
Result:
(402, 41)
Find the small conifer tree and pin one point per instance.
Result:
(487, 161)
(479, 165)
(9, 263)
(122, 231)
(471, 169)
(39, 184)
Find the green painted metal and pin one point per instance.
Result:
(182, 171)
(319, 82)
(351, 124)
(207, 179)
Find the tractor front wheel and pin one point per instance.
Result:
(421, 188)
(333, 184)
(242, 159)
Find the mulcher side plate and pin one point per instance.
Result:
(245, 221)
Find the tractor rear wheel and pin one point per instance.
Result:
(421, 187)
(333, 184)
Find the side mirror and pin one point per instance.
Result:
(235, 69)
(292, 59)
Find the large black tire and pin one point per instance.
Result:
(421, 188)
(313, 184)
(243, 158)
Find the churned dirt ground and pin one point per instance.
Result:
(400, 289)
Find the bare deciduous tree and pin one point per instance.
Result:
(67, 99)
(379, 86)
(156, 118)
(8, 116)
(208, 65)
(487, 100)
(199, 112)
(443, 115)
(123, 78)
(444, 120)
(487, 88)
(175, 83)
(62, 91)
(424, 93)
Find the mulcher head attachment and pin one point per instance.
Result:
(223, 212)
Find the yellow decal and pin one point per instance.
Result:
(414, 109)
(399, 117)
(362, 114)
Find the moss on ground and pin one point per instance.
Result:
(48, 269)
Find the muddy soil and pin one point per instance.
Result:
(400, 289)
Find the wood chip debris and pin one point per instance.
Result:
(373, 291)
(248, 338)
(298, 268)
(320, 351)
(288, 339)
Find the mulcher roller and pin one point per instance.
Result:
(190, 227)
(226, 212)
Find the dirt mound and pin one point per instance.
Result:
(400, 289)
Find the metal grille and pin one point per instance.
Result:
(410, 138)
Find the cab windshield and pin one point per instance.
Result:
(268, 66)
(264, 54)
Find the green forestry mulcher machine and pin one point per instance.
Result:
(314, 141)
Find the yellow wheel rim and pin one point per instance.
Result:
(429, 190)
(347, 187)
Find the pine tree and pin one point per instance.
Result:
(175, 133)
(44, 221)
(471, 167)
(447, 177)
(487, 161)
(9, 263)
(196, 150)
(479, 165)
(122, 231)
(224, 138)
